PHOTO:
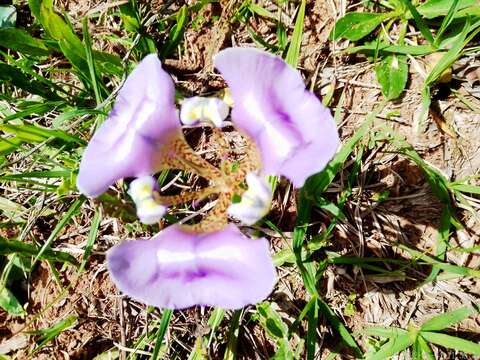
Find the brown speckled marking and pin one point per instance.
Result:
(225, 181)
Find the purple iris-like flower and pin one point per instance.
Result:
(288, 132)
(129, 141)
(295, 133)
(178, 269)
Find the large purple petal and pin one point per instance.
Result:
(295, 133)
(178, 269)
(127, 143)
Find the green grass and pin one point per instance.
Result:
(58, 83)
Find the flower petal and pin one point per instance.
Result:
(142, 120)
(141, 191)
(178, 269)
(256, 201)
(295, 133)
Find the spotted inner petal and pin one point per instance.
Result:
(226, 180)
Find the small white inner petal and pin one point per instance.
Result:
(203, 109)
(283, 146)
(170, 257)
(141, 192)
(255, 202)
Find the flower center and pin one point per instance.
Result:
(227, 180)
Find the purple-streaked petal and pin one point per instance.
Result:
(127, 143)
(177, 269)
(295, 133)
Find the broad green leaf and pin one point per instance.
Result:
(69, 42)
(34, 6)
(393, 346)
(293, 52)
(8, 16)
(176, 32)
(434, 8)
(129, 17)
(446, 21)
(21, 41)
(449, 58)
(452, 342)
(10, 303)
(20, 248)
(356, 25)
(448, 319)
(392, 74)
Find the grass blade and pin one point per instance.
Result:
(427, 34)
(166, 315)
(48, 334)
(91, 238)
(68, 216)
(339, 327)
(19, 247)
(231, 351)
(452, 342)
(392, 347)
(293, 51)
(446, 320)
(90, 61)
(312, 331)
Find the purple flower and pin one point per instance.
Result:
(129, 142)
(178, 269)
(287, 132)
(295, 133)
